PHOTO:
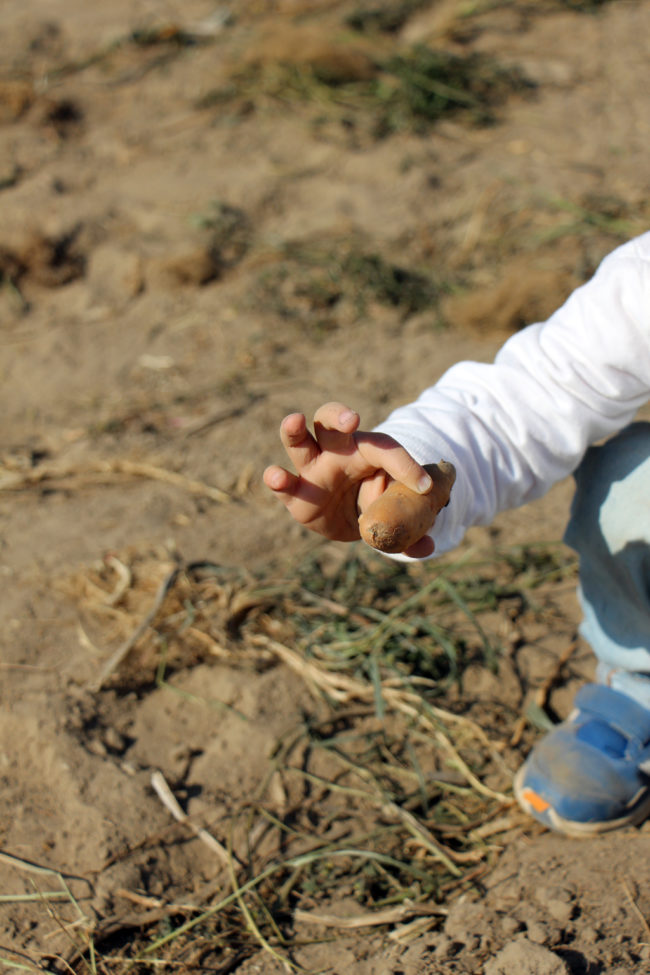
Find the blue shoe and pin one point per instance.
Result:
(591, 773)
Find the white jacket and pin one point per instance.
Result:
(515, 427)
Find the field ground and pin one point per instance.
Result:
(227, 746)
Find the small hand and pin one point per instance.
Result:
(340, 472)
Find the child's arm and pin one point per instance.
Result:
(516, 426)
(510, 429)
(341, 470)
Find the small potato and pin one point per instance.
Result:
(398, 518)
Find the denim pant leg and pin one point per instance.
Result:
(609, 528)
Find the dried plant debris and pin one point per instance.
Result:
(413, 89)
(321, 288)
(413, 622)
(229, 231)
(386, 18)
(49, 261)
(382, 792)
(434, 83)
(585, 5)
(391, 16)
(166, 34)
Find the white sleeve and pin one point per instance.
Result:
(516, 426)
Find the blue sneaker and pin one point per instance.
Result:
(591, 773)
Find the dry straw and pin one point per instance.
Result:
(384, 793)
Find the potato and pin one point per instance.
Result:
(399, 517)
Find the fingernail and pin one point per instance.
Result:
(346, 416)
(274, 479)
(424, 484)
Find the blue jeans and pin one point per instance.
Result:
(609, 528)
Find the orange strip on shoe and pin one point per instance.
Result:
(536, 802)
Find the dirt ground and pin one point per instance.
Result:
(214, 214)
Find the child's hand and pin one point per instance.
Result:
(340, 472)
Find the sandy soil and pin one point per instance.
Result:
(174, 252)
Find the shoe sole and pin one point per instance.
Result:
(636, 813)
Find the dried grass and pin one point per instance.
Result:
(384, 793)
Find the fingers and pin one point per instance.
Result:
(298, 442)
(281, 482)
(382, 452)
(370, 489)
(337, 416)
(291, 488)
(421, 549)
(301, 498)
(334, 423)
